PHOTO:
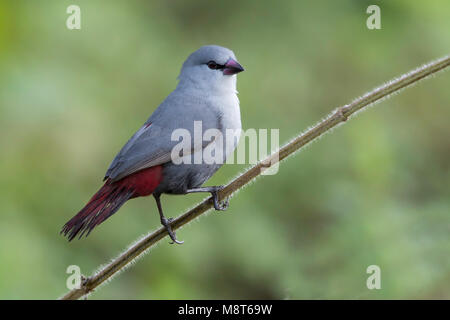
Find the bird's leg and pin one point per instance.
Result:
(214, 193)
(166, 222)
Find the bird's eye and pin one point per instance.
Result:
(212, 65)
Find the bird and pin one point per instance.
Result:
(205, 93)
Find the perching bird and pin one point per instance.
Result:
(206, 92)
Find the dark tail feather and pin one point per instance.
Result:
(102, 205)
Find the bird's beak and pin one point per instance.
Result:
(232, 67)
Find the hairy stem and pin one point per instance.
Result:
(338, 116)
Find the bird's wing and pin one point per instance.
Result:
(152, 145)
(139, 152)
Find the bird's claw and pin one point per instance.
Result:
(219, 205)
(176, 241)
(166, 223)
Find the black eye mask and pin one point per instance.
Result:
(215, 66)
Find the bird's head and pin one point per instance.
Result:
(211, 68)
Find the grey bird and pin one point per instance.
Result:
(206, 94)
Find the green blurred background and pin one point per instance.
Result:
(374, 192)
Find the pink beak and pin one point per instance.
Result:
(232, 67)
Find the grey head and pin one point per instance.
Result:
(211, 68)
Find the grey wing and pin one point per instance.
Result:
(152, 145)
(143, 150)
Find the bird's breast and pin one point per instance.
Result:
(230, 122)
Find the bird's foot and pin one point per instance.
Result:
(219, 205)
(214, 190)
(166, 223)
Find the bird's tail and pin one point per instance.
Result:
(102, 205)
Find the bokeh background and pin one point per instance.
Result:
(374, 192)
